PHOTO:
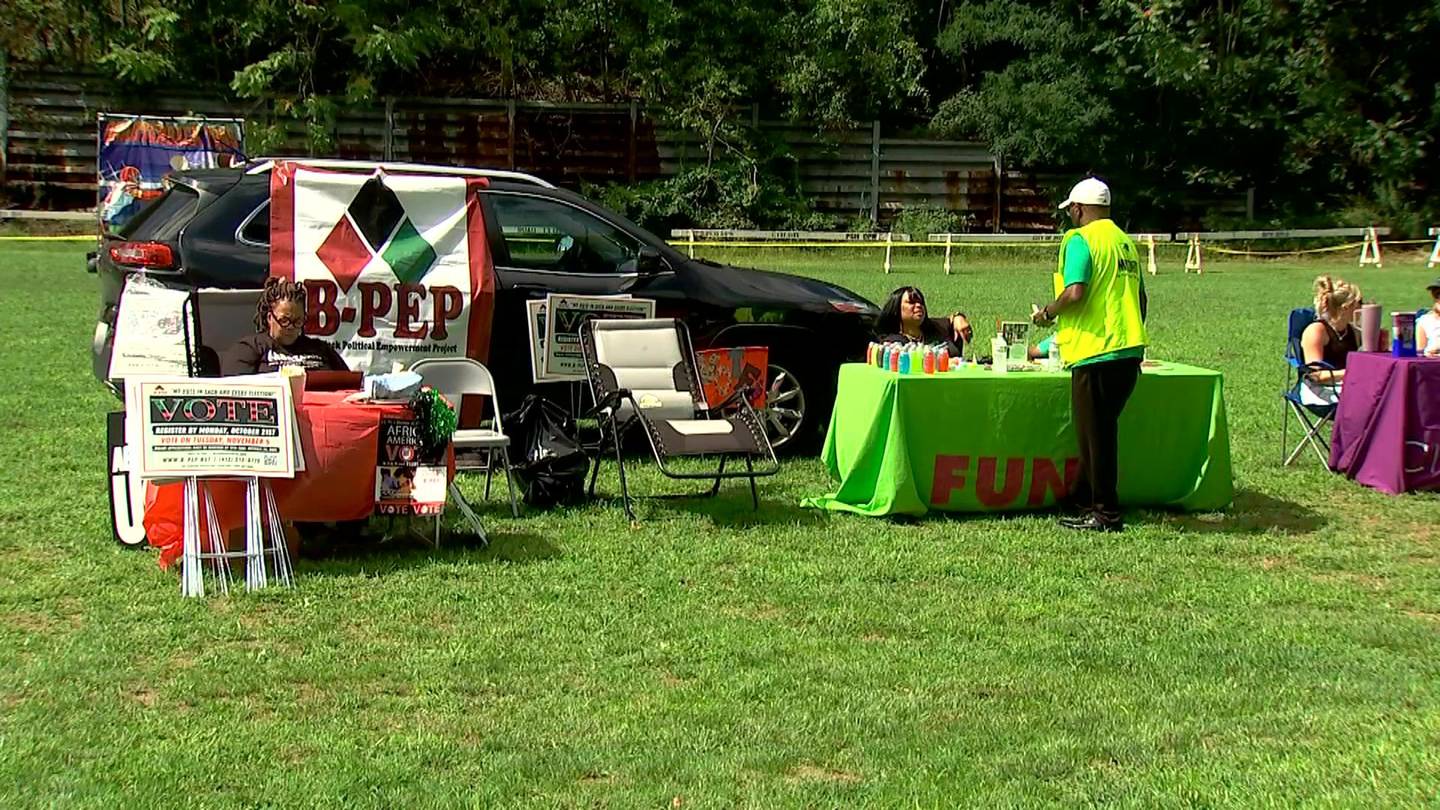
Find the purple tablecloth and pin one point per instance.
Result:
(1387, 428)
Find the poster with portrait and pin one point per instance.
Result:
(406, 483)
(136, 152)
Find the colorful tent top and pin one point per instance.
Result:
(136, 152)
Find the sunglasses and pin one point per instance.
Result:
(286, 323)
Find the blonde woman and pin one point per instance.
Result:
(1330, 338)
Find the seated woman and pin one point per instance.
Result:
(1329, 339)
(1427, 326)
(904, 319)
(278, 341)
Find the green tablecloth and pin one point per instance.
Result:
(973, 441)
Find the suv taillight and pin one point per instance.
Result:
(155, 255)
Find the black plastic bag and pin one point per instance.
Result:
(551, 465)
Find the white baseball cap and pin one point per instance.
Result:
(1089, 191)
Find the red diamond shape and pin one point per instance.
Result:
(344, 253)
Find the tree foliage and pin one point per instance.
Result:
(1319, 104)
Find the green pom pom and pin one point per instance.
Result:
(435, 422)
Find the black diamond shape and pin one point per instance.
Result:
(376, 211)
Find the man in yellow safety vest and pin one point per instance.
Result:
(1100, 306)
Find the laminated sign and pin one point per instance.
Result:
(406, 483)
(396, 266)
(212, 427)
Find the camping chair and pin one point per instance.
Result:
(643, 373)
(455, 377)
(1313, 417)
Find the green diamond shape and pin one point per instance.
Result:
(408, 254)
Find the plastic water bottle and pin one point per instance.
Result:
(1000, 355)
(904, 363)
(1052, 361)
(917, 360)
(942, 360)
(894, 363)
(929, 360)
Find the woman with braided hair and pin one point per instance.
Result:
(278, 340)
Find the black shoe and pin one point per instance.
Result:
(1092, 523)
(1072, 509)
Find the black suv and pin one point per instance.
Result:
(212, 229)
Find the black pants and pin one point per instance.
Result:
(1098, 394)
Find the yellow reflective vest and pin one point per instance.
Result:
(1107, 319)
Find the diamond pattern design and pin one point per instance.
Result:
(408, 254)
(344, 253)
(376, 211)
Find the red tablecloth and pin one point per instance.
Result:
(1387, 428)
(340, 442)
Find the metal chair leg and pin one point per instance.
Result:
(716, 489)
(509, 482)
(1318, 443)
(1284, 430)
(595, 468)
(489, 469)
(624, 488)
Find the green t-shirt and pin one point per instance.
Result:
(1077, 271)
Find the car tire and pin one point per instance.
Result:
(127, 492)
(798, 396)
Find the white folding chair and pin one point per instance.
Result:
(455, 377)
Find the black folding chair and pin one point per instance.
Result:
(643, 374)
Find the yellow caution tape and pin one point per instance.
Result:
(682, 245)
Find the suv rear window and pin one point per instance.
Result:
(162, 220)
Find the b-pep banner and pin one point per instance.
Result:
(136, 152)
(396, 266)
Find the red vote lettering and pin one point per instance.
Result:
(949, 476)
(985, 481)
(410, 296)
(322, 316)
(208, 411)
(375, 302)
(404, 453)
(167, 407)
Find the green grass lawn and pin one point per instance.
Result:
(1286, 651)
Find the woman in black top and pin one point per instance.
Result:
(1330, 338)
(904, 319)
(278, 341)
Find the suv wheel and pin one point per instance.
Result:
(786, 416)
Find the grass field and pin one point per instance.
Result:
(1284, 652)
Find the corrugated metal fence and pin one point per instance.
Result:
(49, 149)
